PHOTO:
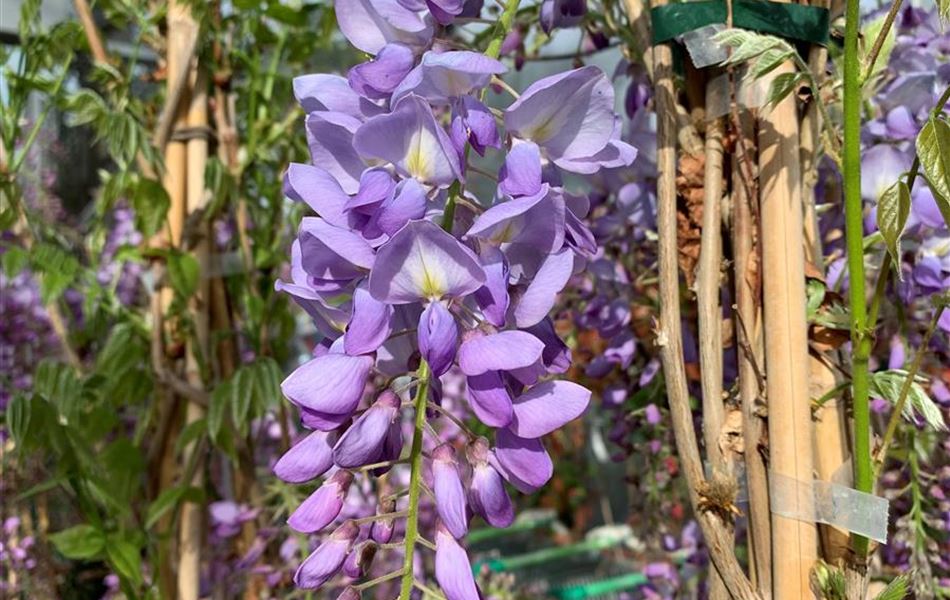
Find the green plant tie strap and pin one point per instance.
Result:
(796, 22)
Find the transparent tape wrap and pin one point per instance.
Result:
(829, 503)
(750, 93)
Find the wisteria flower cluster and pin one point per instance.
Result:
(409, 276)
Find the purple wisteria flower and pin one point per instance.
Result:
(407, 297)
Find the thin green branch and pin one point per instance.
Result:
(415, 481)
(881, 38)
(853, 206)
(896, 414)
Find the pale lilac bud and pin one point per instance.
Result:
(382, 530)
(449, 494)
(323, 506)
(364, 442)
(328, 558)
(438, 337)
(360, 560)
(487, 495)
(453, 570)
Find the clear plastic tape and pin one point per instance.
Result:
(829, 503)
(703, 50)
(750, 93)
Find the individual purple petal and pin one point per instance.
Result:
(548, 406)
(492, 297)
(332, 383)
(370, 323)
(333, 253)
(392, 447)
(330, 138)
(322, 421)
(382, 530)
(561, 13)
(499, 351)
(523, 462)
(489, 399)
(362, 444)
(556, 355)
(445, 11)
(924, 207)
(422, 261)
(327, 559)
(521, 173)
(882, 164)
(569, 115)
(578, 236)
(323, 506)
(474, 123)
(307, 459)
(408, 202)
(453, 570)
(449, 494)
(360, 560)
(413, 141)
(329, 320)
(349, 593)
(487, 495)
(441, 76)
(371, 24)
(538, 299)
(319, 190)
(377, 78)
(615, 153)
(438, 337)
(331, 93)
(526, 229)
(376, 185)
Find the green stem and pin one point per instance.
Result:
(502, 27)
(860, 339)
(905, 391)
(881, 38)
(415, 481)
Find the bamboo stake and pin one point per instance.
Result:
(669, 334)
(748, 334)
(98, 49)
(794, 543)
(190, 530)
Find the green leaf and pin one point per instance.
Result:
(893, 208)
(15, 259)
(58, 269)
(887, 385)
(151, 204)
(783, 85)
(815, 294)
(183, 272)
(220, 398)
(897, 589)
(18, 417)
(242, 390)
(125, 558)
(165, 502)
(933, 150)
(190, 433)
(770, 60)
(748, 45)
(79, 542)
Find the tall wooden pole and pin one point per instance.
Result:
(794, 542)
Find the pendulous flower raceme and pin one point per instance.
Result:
(408, 276)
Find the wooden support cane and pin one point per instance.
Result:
(794, 542)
